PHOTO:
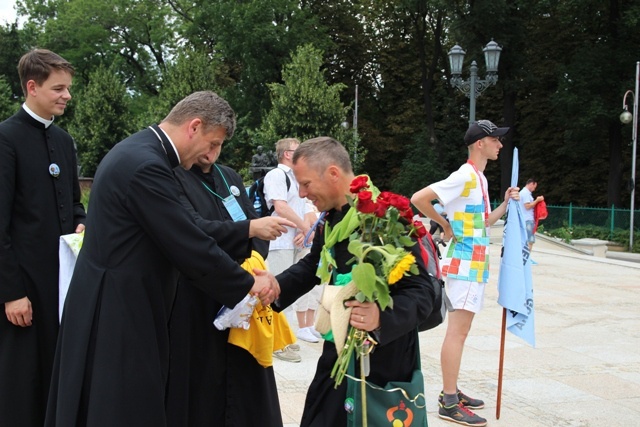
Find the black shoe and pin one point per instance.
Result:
(461, 415)
(470, 402)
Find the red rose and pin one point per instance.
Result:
(381, 207)
(359, 183)
(407, 214)
(364, 204)
(420, 229)
(385, 195)
(399, 202)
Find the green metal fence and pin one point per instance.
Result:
(570, 216)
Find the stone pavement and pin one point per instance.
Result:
(584, 371)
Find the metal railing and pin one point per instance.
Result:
(613, 219)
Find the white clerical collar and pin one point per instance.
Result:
(45, 122)
(172, 144)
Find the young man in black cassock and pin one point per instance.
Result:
(323, 170)
(212, 381)
(39, 202)
(112, 357)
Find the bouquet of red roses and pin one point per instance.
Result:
(379, 226)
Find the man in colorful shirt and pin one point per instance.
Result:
(465, 196)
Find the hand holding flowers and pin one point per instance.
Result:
(379, 226)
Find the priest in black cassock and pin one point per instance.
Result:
(112, 358)
(211, 382)
(39, 202)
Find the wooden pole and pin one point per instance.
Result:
(501, 363)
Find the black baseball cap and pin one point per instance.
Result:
(481, 129)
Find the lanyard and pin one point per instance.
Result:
(230, 202)
(225, 183)
(306, 243)
(485, 195)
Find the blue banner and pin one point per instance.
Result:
(515, 287)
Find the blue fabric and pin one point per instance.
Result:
(515, 285)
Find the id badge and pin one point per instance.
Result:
(234, 209)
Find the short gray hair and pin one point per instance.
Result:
(209, 107)
(322, 152)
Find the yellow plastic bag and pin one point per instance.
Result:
(268, 331)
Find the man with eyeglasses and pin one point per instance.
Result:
(282, 192)
(465, 196)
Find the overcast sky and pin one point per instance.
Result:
(7, 13)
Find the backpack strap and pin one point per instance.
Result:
(423, 252)
(425, 255)
(286, 177)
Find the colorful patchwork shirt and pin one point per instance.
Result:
(462, 196)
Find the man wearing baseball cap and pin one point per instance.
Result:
(465, 197)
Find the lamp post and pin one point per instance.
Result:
(627, 118)
(473, 87)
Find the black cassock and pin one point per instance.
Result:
(36, 208)
(112, 357)
(212, 382)
(394, 358)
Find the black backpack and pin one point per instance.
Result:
(431, 256)
(256, 195)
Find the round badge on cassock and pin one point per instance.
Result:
(54, 170)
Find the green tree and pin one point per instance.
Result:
(101, 118)
(7, 105)
(11, 49)
(136, 36)
(305, 105)
(190, 71)
(255, 38)
(568, 93)
(401, 103)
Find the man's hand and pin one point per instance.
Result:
(19, 312)
(512, 193)
(539, 199)
(298, 241)
(265, 287)
(447, 233)
(364, 315)
(80, 228)
(269, 227)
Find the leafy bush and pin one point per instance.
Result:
(567, 234)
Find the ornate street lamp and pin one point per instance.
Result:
(473, 87)
(626, 117)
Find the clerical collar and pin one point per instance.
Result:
(171, 142)
(45, 122)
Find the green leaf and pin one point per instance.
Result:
(326, 261)
(364, 276)
(385, 301)
(406, 241)
(356, 248)
(382, 292)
